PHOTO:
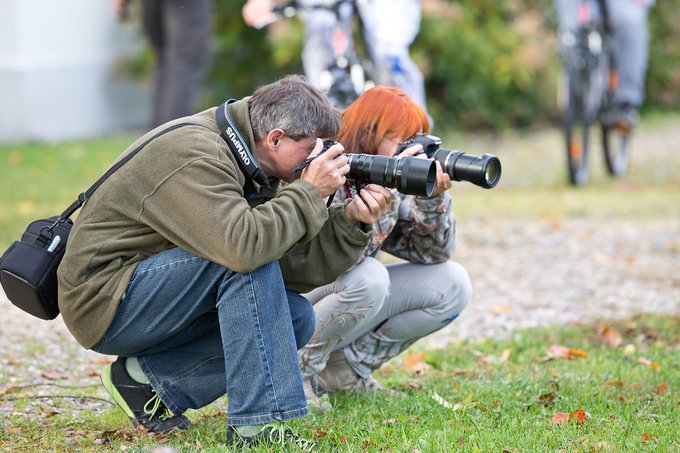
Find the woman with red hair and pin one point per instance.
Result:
(375, 311)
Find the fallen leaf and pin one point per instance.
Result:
(558, 352)
(647, 438)
(8, 389)
(574, 352)
(662, 388)
(15, 362)
(505, 355)
(414, 363)
(604, 445)
(101, 361)
(629, 349)
(385, 369)
(546, 399)
(54, 374)
(611, 337)
(562, 418)
(501, 309)
(318, 433)
(646, 362)
(578, 416)
(486, 360)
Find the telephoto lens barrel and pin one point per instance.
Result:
(409, 175)
(484, 171)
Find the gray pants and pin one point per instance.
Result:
(179, 31)
(375, 311)
(389, 28)
(628, 19)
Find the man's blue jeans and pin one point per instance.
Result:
(199, 330)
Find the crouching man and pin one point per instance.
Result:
(187, 262)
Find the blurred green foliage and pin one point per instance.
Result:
(488, 64)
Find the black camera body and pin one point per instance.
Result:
(409, 175)
(484, 171)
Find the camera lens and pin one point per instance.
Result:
(484, 171)
(409, 175)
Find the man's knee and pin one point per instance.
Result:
(303, 318)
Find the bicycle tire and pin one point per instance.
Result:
(616, 148)
(615, 138)
(578, 123)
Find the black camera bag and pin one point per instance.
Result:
(28, 268)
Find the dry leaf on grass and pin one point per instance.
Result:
(646, 362)
(577, 416)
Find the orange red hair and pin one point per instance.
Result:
(380, 112)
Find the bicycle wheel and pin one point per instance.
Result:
(616, 146)
(615, 138)
(578, 123)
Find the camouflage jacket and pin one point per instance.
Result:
(418, 230)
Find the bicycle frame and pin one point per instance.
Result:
(345, 78)
(592, 82)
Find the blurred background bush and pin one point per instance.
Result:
(488, 64)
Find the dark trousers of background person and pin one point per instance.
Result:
(179, 31)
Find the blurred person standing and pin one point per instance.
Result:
(389, 28)
(179, 32)
(630, 38)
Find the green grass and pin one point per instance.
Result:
(499, 395)
(40, 180)
(503, 394)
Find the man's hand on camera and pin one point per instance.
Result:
(369, 205)
(326, 172)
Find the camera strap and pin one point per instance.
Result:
(238, 147)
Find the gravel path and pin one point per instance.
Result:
(524, 274)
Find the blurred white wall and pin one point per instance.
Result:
(56, 71)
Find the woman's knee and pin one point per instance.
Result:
(459, 285)
(367, 282)
(452, 284)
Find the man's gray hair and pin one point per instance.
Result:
(295, 106)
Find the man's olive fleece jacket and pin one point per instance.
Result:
(185, 189)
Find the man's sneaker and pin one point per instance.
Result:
(272, 434)
(317, 397)
(140, 401)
